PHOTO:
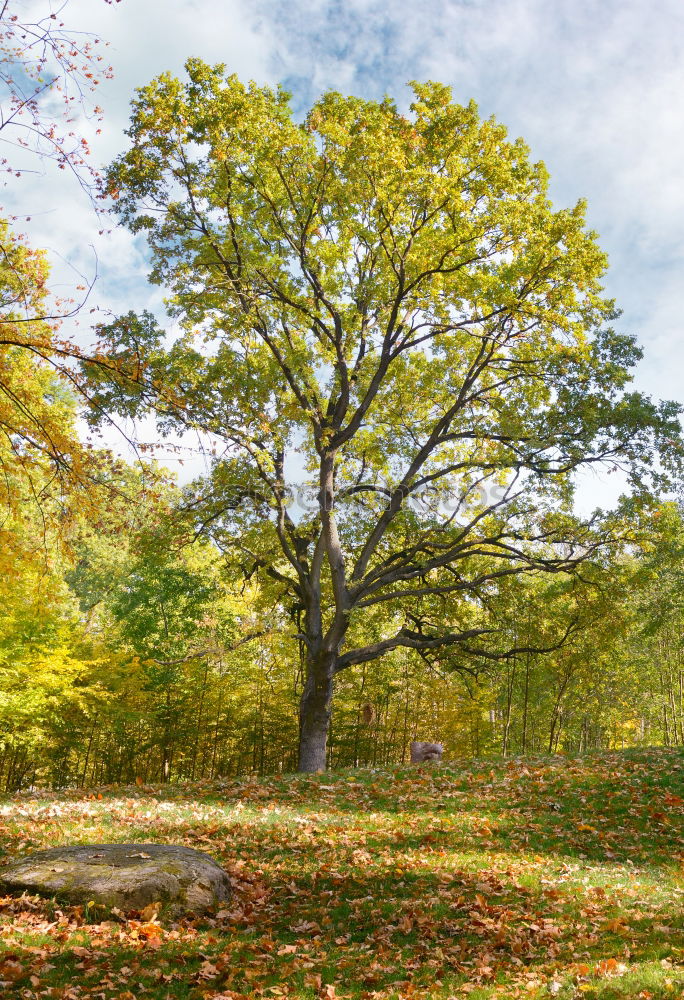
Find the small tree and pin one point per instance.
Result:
(44, 64)
(389, 304)
(49, 74)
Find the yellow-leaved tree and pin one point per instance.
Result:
(389, 306)
(44, 467)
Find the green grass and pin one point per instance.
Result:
(533, 878)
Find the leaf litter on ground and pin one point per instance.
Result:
(538, 877)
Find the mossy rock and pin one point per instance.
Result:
(126, 876)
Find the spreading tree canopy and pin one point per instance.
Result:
(387, 305)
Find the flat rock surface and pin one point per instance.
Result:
(128, 876)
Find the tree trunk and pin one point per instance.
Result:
(87, 756)
(322, 649)
(510, 681)
(314, 713)
(357, 733)
(526, 701)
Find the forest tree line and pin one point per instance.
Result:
(130, 654)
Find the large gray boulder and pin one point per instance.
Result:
(127, 876)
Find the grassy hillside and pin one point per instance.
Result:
(532, 878)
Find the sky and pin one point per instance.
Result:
(595, 87)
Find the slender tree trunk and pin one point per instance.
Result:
(526, 701)
(404, 737)
(217, 729)
(391, 752)
(87, 756)
(200, 720)
(556, 716)
(510, 680)
(165, 770)
(357, 733)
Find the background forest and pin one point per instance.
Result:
(127, 657)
